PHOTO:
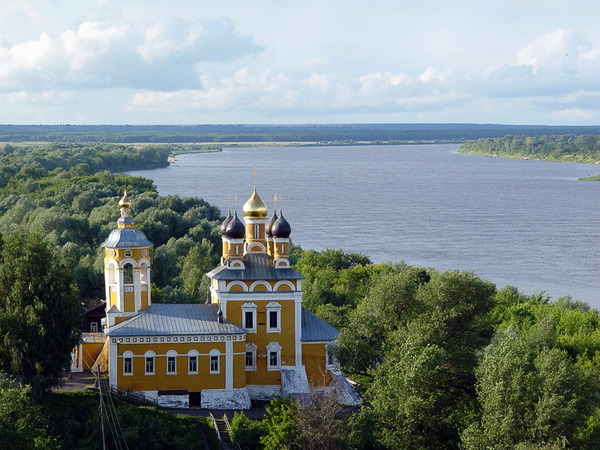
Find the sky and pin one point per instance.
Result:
(296, 62)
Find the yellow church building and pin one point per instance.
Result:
(254, 340)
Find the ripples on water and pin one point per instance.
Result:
(526, 223)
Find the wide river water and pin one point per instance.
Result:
(530, 224)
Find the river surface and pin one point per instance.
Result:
(530, 224)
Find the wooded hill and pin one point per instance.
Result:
(569, 148)
(339, 134)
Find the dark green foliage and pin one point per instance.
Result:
(22, 424)
(335, 281)
(415, 338)
(531, 393)
(75, 209)
(279, 423)
(75, 422)
(247, 432)
(39, 312)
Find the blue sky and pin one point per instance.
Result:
(220, 61)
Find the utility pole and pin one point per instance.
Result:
(101, 408)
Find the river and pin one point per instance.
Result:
(530, 224)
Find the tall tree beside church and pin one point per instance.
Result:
(39, 312)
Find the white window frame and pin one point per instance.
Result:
(276, 308)
(273, 347)
(149, 355)
(330, 362)
(172, 354)
(192, 354)
(249, 307)
(128, 355)
(250, 348)
(93, 327)
(214, 353)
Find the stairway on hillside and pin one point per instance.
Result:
(223, 434)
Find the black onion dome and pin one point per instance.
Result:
(269, 226)
(235, 229)
(226, 222)
(281, 228)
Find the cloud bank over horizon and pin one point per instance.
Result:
(235, 65)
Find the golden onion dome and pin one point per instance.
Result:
(255, 208)
(124, 202)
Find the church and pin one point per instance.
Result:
(252, 340)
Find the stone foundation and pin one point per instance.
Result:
(225, 399)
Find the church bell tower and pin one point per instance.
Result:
(126, 268)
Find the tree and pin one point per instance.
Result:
(532, 395)
(200, 260)
(319, 424)
(416, 337)
(22, 425)
(279, 422)
(39, 313)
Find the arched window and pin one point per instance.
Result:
(112, 279)
(172, 362)
(192, 362)
(128, 363)
(128, 273)
(143, 273)
(215, 366)
(149, 359)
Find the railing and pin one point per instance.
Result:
(230, 431)
(131, 395)
(216, 427)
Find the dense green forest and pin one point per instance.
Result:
(66, 193)
(339, 134)
(441, 359)
(583, 148)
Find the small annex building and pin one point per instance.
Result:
(253, 340)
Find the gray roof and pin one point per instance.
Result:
(174, 319)
(126, 238)
(316, 329)
(258, 266)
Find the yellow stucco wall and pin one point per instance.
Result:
(89, 354)
(182, 380)
(313, 358)
(145, 298)
(285, 338)
(136, 253)
(128, 300)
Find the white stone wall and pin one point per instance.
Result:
(225, 399)
(260, 392)
(174, 401)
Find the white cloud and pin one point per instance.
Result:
(574, 114)
(39, 97)
(162, 55)
(552, 49)
(269, 90)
